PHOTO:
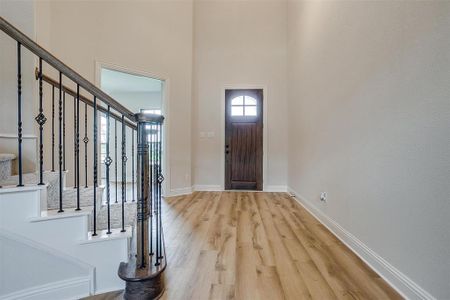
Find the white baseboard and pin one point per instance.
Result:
(73, 288)
(276, 189)
(179, 192)
(219, 188)
(399, 281)
(206, 188)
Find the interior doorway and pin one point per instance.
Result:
(244, 139)
(138, 93)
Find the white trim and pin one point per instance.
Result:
(63, 289)
(399, 281)
(179, 192)
(276, 188)
(222, 128)
(219, 188)
(26, 188)
(164, 109)
(207, 188)
(54, 286)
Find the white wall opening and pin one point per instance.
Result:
(138, 92)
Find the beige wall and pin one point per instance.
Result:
(238, 44)
(365, 117)
(154, 37)
(21, 14)
(369, 104)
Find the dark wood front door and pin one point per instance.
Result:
(243, 139)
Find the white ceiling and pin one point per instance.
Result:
(116, 81)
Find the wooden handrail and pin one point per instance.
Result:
(68, 72)
(71, 92)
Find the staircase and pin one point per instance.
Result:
(75, 237)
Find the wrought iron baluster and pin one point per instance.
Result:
(155, 187)
(53, 129)
(95, 167)
(124, 171)
(77, 148)
(19, 111)
(41, 119)
(160, 180)
(115, 157)
(132, 165)
(60, 146)
(108, 162)
(85, 140)
(74, 141)
(64, 129)
(152, 191)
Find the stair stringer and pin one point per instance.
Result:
(49, 274)
(20, 212)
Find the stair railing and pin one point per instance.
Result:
(144, 270)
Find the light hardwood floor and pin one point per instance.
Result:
(243, 245)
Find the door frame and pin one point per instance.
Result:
(222, 128)
(166, 187)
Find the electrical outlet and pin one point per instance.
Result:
(323, 196)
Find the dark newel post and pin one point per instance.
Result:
(143, 199)
(142, 276)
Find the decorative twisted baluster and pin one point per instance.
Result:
(108, 162)
(64, 129)
(53, 129)
(41, 119)
(152, 185)
(85, 140)
(160, 180)
(77, 148)
(115, 158)
(95, 166)
(74, 142)
(132, 165)
(124, 171)
(19, 111)
(155, 199)
(60, 134)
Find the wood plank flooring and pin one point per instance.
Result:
(243, 245)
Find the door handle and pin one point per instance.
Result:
(226, 152)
